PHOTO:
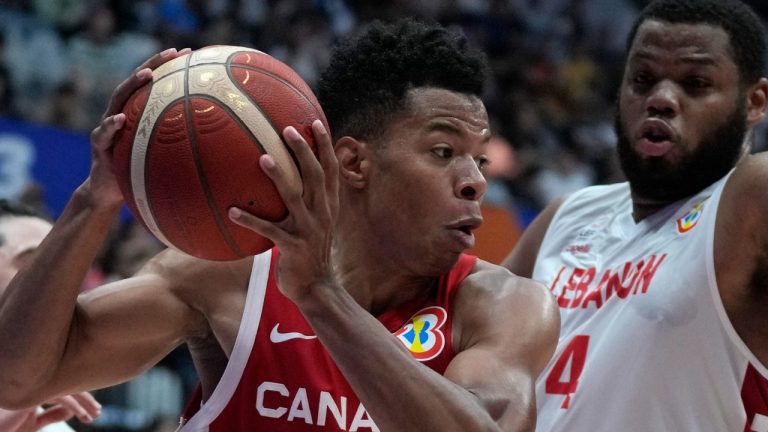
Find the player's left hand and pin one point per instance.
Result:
(80, 405)
(305, 236)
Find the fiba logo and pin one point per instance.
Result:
(690, 219)
(422, 334)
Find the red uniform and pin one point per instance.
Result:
(281, 378)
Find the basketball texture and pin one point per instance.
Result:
(191, 142)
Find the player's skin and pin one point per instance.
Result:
(687, 73)
(82, 405)
(414, 200)
(19, 237)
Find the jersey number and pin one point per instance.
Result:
(573, 356)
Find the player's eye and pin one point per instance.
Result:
(443, 152)
(482, 162)
(696, 84)
(641, 80)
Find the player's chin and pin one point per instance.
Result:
(460, 240)
(440, 262)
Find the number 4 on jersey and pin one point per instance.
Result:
(573, 357)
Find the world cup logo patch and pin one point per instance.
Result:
(422, 334)
(689, 220)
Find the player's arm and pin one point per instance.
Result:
(741, 251)
(400, 393)
(57, 343)
(42, 326)
(522, 258)
(507, 329)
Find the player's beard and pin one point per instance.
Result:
(658, 180)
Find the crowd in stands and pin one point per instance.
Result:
(555, 68)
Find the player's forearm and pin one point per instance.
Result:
(398, 392)
(38, 310)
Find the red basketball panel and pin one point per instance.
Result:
(282, 104)
(268, 64)
(176, 194)
(123, 144)
(229, 158)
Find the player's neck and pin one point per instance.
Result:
(377, 284)
(643, 208)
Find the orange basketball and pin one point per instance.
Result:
(192, 139)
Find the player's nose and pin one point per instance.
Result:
(471, 184)
(663, 100)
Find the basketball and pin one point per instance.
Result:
(191, 142)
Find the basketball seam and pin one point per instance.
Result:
(200, 173)
(149, 204)
(256, 104)
(278, 78)
(130, 154)
(233, 116)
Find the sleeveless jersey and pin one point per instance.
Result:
(280, 377)
(645, 343)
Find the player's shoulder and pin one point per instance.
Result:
(498, 285)
(744, 194)
(518, 312)
(749, 178)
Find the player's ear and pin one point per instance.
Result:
(757, 102)
(354, 160)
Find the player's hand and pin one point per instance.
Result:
(305, 237)
(80, 405)
(101, 182)
(141, 75)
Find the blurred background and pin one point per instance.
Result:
(555, 69)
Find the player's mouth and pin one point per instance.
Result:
(655, 138)
(462, 230)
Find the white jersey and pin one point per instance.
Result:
(645, 343)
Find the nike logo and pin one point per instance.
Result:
(277, 337)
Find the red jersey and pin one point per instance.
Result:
(281, 378)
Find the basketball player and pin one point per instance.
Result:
(21, 231)
(662, 282)
(367, 316)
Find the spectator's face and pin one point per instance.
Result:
(19, 237)
(682, 116)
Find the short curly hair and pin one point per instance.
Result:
(369, 74)
(740, 22)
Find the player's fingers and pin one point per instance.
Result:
(158, 59)
(88, 402)
(54, 414)
(289, 191)
(311, 172)
(80, 411)
(103, 134)
(139, 77)
(262, 227)
(125, 89)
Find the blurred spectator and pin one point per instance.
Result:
(6, 88)
(64, 109)
(65, 15)
(561, 174)
(100, 57)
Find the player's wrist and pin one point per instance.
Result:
(87, 197)
(318, 296)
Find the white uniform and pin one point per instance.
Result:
(645, 343)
